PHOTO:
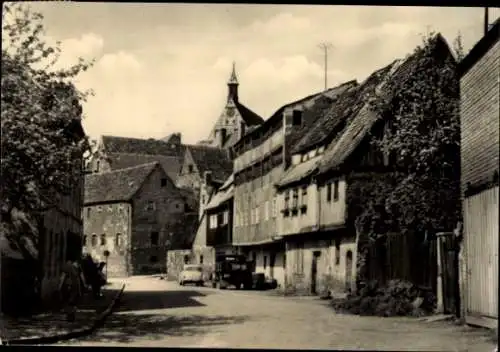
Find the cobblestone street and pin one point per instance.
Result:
(156, 313)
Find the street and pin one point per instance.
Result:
(157, 313)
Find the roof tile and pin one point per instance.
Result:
(115, 186)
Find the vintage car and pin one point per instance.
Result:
(191, 274)
(232, 270)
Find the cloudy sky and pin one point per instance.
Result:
(163, 68)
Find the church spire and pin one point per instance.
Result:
(233, 79)
(233, 85)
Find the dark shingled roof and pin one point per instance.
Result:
(114, 144)
(116, 186)
(250, 117)
(212, 159)
(346, 105)
(359, 123)
(170, 164)
(311, 115)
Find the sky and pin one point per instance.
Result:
(163, 68)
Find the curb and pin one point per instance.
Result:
(98, 322)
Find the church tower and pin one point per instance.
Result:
(232, 85)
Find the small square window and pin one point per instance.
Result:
(103, 239)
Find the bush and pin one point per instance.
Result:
(397, 298)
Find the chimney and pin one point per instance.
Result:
(207, 177)
(486, 21)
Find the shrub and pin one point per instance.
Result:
(397, 298)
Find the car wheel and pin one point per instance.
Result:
(199, 283)
(181, 283)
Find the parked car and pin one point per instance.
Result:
(191, 273)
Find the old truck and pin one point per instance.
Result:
(232, 270)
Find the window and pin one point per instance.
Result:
(275, 207)
(103, 239)
(190, 169)
(202, 200)
(266, 210)
(84, 240)
(163, 182)
(295, 201)
(201, 258)
(265, 262)
(336, 191)
(118, 240)
(337, 251)
(89, 212)
(297, 118)
(186, 259)
(97, 164)
(213, 221)
(153, 259)
(150, 206)
(329, 192)
(94, 240)
(287, 199)
(257, 215)
(155, 238)
(225, 217)
(304, 195)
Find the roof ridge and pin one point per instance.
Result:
(142, 154)
(140, 166)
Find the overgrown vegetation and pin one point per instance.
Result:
(422, 193)
(41, 152)
(397, 298)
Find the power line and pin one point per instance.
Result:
(325, 47)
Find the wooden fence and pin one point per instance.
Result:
(409, 257)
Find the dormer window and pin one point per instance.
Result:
(297, 118)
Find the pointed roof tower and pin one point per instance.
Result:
(233, 79)
(233, 86)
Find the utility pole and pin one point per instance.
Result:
(486, 20)
(325, 47)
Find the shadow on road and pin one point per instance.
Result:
(129, 327)
(148, 300)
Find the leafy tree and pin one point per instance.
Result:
(42, 143)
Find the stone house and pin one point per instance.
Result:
(134, 213)
(234, 120)
(479, 106)
(260, 158)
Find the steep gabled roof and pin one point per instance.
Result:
(359, 124)
(170, 164)
(116, 186)
(114, 144)
(250, 117)
(212, 159)
(348, 103)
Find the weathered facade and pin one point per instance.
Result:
(133, 213)
(480, 143)
(261, 157)
(235, 119)
(61, 230)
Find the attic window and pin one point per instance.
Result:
(297, 118)
(151, 206)
(163, 182)
(190, 169)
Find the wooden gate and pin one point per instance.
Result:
(481, 250)
(448, 251)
